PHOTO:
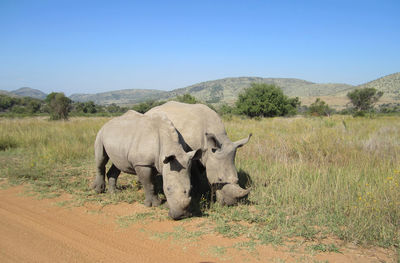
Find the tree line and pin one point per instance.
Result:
(259, 100)
(58, 106)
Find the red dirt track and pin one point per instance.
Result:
(33, 230)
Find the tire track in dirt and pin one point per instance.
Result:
(33, 231)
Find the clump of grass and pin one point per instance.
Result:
(125, 221)
(180, 234)
(250, 246)
(218, 251)
(324, 248)
(7, 142)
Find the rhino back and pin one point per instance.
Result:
(192, 121)
(130, 140)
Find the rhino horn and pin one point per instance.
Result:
(242, 142)
(230, 193)
(235, 190)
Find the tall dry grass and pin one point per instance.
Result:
(311, 176)
(340, 175)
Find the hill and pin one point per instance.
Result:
(5, 92)
(227, 90)
(28, 92)
(215, 92)
(121, 97)
(390, 85)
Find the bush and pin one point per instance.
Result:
(226, 109)
(364, 99)
(146, 106)
(59, 106)
(186, 98)
(6, 102)
(359, 114)
(319, 108)
(114, 108)
(263, 100)
(18, 105)
(389, 108)
(33, 106)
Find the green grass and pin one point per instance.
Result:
(126, 221)
(218, 251)
(180, 234)
(314, 174)
(324, 248)
(311, 177)
(7, 142)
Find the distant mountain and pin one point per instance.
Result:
(5, 92)
(121, 97)
(215, 91)
(28, 92)
(390, 85)
(227, 90)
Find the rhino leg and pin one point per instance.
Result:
(112, 176)
(146, 175)
(99, 183)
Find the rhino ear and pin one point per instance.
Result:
(212, 141)
(169, 159)
(242, 142)
(195, 155)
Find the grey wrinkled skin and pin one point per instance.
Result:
(146, 145)
(202, 128)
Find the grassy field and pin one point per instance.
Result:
(312, 177)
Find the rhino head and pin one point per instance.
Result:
(176, 182)
(220, 167)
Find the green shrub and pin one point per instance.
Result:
(186, 98)
(263, 100)
(146, 106)
(364, 99)
(59, 106)
(320, 108)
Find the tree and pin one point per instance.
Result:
(34, 106)
(89, 107)
(6, 102)
(225, 109)
(186, 98)
(320, 108)
(364, 99)
(59, 106)
(263, 100)
(113, 108)
(147, 105)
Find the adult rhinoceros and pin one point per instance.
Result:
(146, 145)
(202, 128)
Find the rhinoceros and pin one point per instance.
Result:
(202, 128)
(146, 145)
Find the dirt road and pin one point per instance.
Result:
(33, 230)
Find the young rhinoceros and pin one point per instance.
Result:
(202, 128)
(146, 146)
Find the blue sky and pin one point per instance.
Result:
(96, 46)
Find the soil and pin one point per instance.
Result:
(33, 230)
